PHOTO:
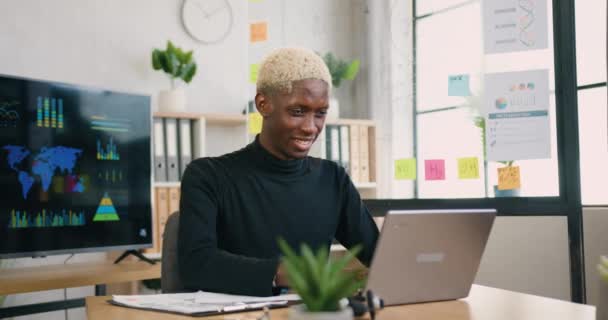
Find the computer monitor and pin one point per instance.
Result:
(74, 169)
(428, 255)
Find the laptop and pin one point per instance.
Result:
(428, 255)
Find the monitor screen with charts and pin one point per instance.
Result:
(74, 169)
(429, 255)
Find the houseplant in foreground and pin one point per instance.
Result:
(320, 282)
(180, 67)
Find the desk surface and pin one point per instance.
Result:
(483, 303)
(17, 280)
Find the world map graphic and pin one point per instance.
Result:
(45, 164)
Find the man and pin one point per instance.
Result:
(234, 207)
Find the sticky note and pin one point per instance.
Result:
(458, 85)
(405, 169)
(434, 169)
(258, 31)
(508, 178)
(468, 168)
(253, 72)
(255, 123)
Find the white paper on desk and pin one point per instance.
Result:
(201, 302)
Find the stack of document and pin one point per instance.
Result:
(201, 303)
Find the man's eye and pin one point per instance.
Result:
(322, 113)
(297, 112)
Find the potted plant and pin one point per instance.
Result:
(179, 66)
(602, 307)
(480, 122)
(340, 70)
(321, 283)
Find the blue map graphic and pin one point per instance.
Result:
(45, 164)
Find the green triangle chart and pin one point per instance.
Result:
(106, 210)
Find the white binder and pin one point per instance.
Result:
(171, 147)
(160, 160)
(185, 145)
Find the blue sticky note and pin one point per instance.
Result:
(458, 85)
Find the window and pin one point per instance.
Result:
(592, 104)
(449, 42)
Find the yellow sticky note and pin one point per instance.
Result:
(258, 31)
(255, 123)
(468, 168)
(253, 72)
(508, 178)
(405, 169)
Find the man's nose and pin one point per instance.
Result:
(308, 125)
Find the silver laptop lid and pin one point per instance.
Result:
(429, 255)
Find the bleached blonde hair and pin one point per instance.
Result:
(283, 66)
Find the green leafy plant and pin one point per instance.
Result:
(320, 282)
(480, 122)
(602, 268)
(340, 69)
(176, 63)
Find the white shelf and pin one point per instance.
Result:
(365, 185)
(167, 184)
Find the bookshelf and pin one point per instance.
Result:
(212, 134)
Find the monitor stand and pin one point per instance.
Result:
(135, 253)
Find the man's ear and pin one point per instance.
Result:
(263, 104)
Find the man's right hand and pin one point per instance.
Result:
(280, 279)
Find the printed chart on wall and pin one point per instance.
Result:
(514, 25)
(517, 115)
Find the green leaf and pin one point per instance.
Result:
(188, 57)
(188, 72)
(352, 70)
(173, 64)
(156, 65)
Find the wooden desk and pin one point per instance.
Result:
(483, 303)
(18, 280)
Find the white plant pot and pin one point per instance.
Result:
(298, 312)
(172, 100)
(333, 112)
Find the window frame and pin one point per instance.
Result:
(568, 203)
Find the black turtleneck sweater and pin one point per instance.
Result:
(234, 207)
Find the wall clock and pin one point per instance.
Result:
(207, 21)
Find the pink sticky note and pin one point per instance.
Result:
(434, 169)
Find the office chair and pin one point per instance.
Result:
(170, 281)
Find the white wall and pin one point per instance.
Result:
(108, 44)
(528, 254)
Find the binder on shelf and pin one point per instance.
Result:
(171, 150)
(185, 145)
(355, 154)
(364, 153)
(160, 160)
(162, 213)
(345, 147)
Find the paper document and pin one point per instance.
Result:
(201, 303)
